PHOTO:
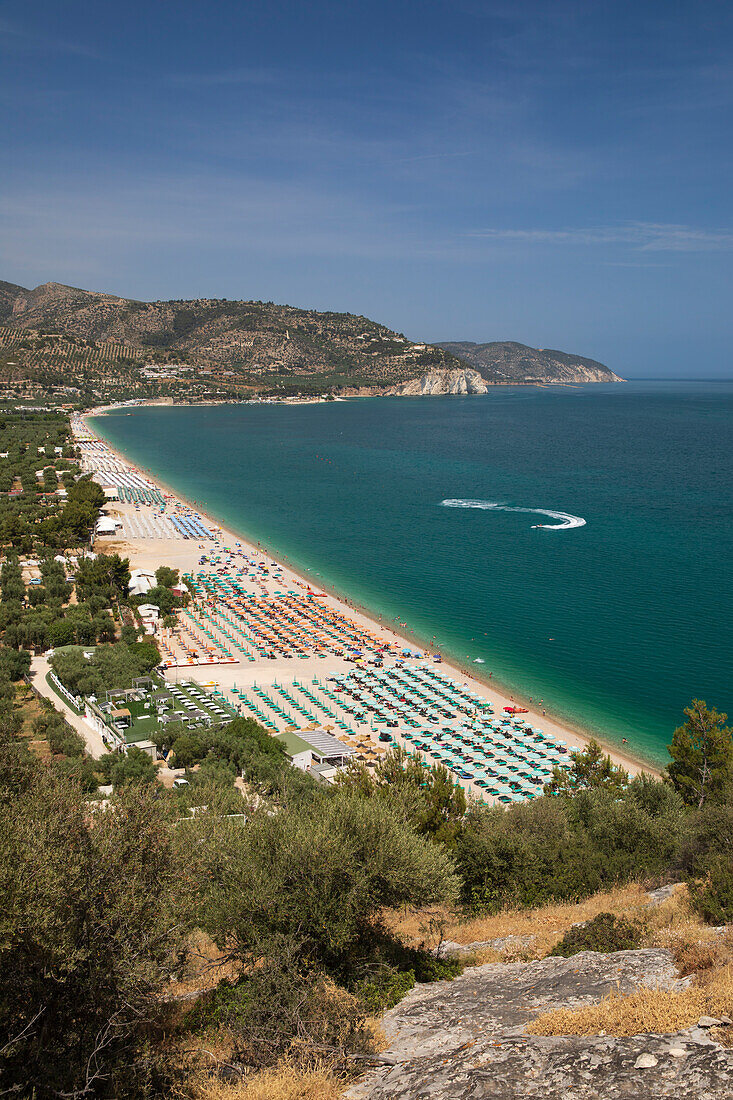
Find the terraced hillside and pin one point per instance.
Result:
(240, 345)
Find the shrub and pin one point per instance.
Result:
(62, 738)
(565, 848)
(88, 936)
(322, 871)
(384, 989)
(382, 969)
(283, 1006)
(712, 896)
(605, 933)
(133, 766)
(706, 860)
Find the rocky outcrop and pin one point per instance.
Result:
(439, 382)
(467, 1038)
(683, 1066)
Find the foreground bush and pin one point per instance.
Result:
(88, 936)
(562, 848)
(283, 1006)
(706, 860)
(321, 871)
(605, 933)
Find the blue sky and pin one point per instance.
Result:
(557, 173)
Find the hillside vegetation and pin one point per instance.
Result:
(242, 346)
(60, 335)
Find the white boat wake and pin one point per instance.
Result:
(567, 521)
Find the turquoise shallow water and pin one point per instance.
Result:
(616, 624)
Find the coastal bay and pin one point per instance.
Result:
(231, 558)
(607, 624)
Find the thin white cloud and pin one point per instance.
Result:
(16, 39)
(642, 236)
(438, 156)
(224, 78)
(98, 218)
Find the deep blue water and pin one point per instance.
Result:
(616, 624)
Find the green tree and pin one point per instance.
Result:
(426, 796)
(104, 627)
(14, 663)
(146, 654)
(62, 633)
(50, 479)
(166, 577)
(706, 860)
(62, 738)
(126, 768)
(702, 756)
(592, 769)
(320, 872)
(88, 937)
(108, 574)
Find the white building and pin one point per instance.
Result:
(141, 581)
(106, 525)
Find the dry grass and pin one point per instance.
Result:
(645, 1010)
(675, 925)
(547, 924)
(284, 1082)
(698, 950)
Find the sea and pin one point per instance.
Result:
(574, 544)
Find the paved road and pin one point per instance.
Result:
(95, 745)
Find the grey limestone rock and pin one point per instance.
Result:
(503, 943)
(467, 1039)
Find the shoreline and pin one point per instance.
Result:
(501, 693)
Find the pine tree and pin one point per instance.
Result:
(592, 769)
(702, 755)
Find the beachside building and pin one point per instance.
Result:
(141, 581)
(316, 751)
(149, 613)
(106, 525)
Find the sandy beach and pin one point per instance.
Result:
(184, 555)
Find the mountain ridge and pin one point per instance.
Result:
(506, 359)
(245, 347)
